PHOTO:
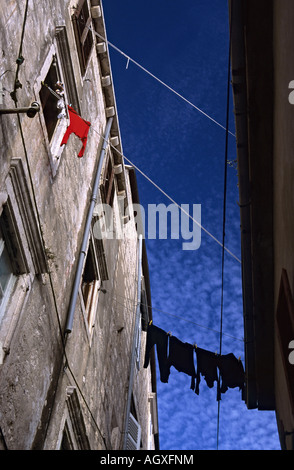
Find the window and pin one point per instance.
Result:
(83, 34)
(73, 434)
(67, 68)
(108, 187)
(107, 220)
(56, 88)
(7, 275)
(66, 442)
(94, 273)
(144, 307)
(52, 100)
(90, 286)
(22, 253)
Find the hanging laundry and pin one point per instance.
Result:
(206, 366)
(226, 370)
(157, 336)
(181, 356)
(79, 127)
(231, 373)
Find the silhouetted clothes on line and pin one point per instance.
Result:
(181, 357)
(231, 373)
(157, 336)
(206, 366)
(226, 370)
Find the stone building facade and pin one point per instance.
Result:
(75, 298)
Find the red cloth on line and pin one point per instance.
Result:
(79, 127)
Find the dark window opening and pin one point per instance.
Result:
(66, 443)
(90, 285)
(8, 268)
(144, 310)
(108, 187)
(50, 99)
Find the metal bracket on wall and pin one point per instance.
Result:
(31, 111)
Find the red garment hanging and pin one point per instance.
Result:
(79, 127)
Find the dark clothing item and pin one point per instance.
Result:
(206, 366)
(159, 337)
(181, 357)
(231, 373)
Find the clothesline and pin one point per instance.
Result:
(167, 196)
(224, 369)
(84, 138)
(129, 59)
(178, 317)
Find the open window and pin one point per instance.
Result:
(91, 284)
(83, 34)
(144, 306)
(94, 273)
(52, 98)
(56, 88)
(107, 187)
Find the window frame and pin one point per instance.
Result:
(5, 292)
(49, 100)
(27, 255)
(54, 149)
(89, 304)
(72, 423)
(107, 188)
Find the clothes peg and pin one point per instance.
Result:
(195, 346)
(169, 333)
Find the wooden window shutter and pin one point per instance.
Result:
(83, 34)
(134, 434)
(67, 68)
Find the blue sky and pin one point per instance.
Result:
(186, 46)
